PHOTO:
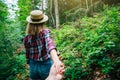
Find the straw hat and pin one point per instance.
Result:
(37, 16)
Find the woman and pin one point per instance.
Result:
(40, 48)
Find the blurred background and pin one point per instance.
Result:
(86, 33)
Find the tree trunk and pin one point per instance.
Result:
(42, 5)
(56, 13)
(92, 6)
(87, 8)
(53, 21)
(87, 4)
(81, 4)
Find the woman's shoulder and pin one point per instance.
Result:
(26, 38)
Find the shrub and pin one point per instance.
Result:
(92, 47)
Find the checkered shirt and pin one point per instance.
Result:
(38, 47)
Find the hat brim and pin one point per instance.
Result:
(45, 18)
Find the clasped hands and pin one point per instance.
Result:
(56, 71)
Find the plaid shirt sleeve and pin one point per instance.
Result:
(26, 48)
(49, 42)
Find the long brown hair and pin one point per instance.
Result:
(34, 29)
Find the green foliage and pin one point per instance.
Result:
(36, 4)
(12, 60)
(12, 67)
(3, 15)
(86, 46)
(25, 8)
(91, 46)
(111, 2)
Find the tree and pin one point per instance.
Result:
(51, 6)
(36, 4)
(6, 48)
(56, 13)
(87, 4)
(3, 27)
(42, 5)
(24, 9)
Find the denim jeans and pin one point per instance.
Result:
(40, 69)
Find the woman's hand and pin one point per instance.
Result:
(56, 61)
(54, 75)
(58, 65)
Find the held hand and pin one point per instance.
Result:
(54, 75)
(54, 72)
(59, 75)
(56, 60)
(58, 65)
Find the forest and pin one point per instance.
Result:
(86, 34)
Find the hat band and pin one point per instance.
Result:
(36, 19)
